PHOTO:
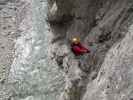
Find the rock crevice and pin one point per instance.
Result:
(101, 25)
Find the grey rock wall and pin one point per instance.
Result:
(101, 25)
(10, 17)
(114, 81)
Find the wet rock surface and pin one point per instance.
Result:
(102, 26)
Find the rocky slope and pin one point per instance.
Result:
(105, 26)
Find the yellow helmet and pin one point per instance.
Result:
(75, 40)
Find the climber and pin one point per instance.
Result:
(77, 48)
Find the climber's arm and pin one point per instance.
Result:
(80, 50)
(84, 48)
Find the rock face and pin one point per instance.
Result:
(114, 81)
(105, 26)
(10, 18)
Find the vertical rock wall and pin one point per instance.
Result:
(10, 18)
(100, 24)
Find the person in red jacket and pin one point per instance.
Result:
(77, 48)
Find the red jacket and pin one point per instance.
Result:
(79, 49)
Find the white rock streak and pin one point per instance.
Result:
(33, 75)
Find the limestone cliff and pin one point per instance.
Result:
(105, 26)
